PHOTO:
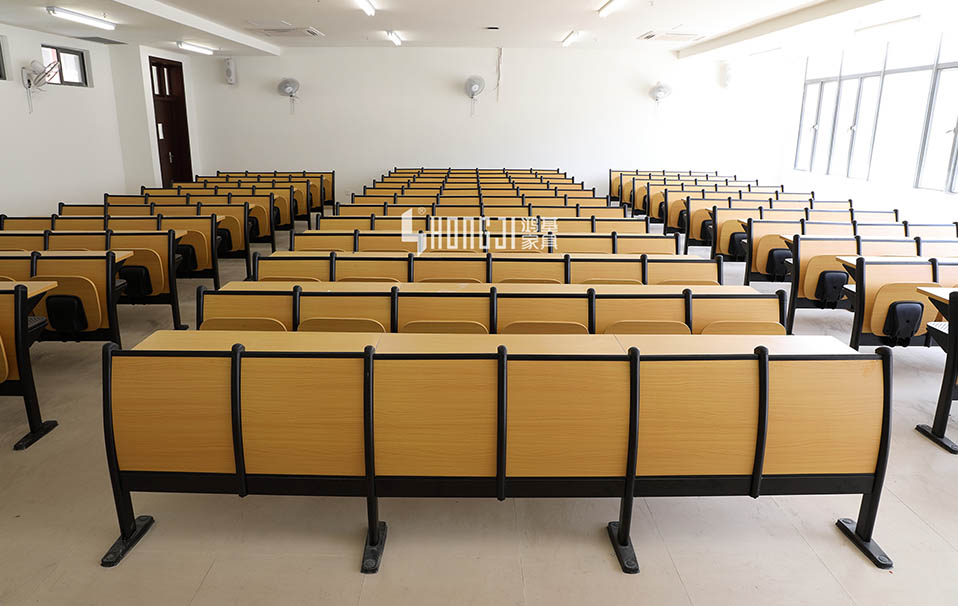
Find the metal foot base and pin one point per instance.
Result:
(625, 554)
(122, 546)
(181, 327)
(373, 554)
(942, 441)
(28, 440)
(869, 548)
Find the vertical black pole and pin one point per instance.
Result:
(762, 426)
(860, 532)
(132, 528)
(619, 531)
(239, 458)
(376, 533)
(501, 406)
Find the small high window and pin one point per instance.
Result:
(72, 70)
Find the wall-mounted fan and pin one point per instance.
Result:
(288, 87)
(660, 91)
(35, 76)
(474, 86)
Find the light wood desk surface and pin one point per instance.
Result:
(34, 288)
(937, 294)
(735, 344)
(472, 255)
(223, 340)
(851, 260)
(411, 343)
(474, 287)
(120, 255)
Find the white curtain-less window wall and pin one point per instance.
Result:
(885, 111)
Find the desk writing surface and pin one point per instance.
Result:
(852, 259)
(223, 340)
(34, 287)
(938, 294)
(177, 233)
(412, 343)
(734, 344)
(119, 255)
(483, 288)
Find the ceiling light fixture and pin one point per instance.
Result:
(63, 13)
(367, 7)
(195, 48)
(570, 38)
(394, 38)
(608, 7)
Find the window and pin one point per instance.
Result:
(3, 48)
(72, 65)
(883, 111)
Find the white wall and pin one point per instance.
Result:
(364, 110)
(69, 148)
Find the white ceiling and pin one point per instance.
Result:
(461, 23)
(437, 23)
(133, 26)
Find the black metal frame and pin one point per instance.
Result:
(372, 486)
(947, 339)
(24, 386)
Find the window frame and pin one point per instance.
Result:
(3, 58)
(81, 55)
(934, 69)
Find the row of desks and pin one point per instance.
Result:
(483, 287)
(413, 343)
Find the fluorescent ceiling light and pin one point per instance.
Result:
(63, 13)
(195, 48)
(608, 7)
(394, 38)
(570, 38)
(367, 7)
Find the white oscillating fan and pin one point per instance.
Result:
(35, 76)
(289, 87)
(474, 86)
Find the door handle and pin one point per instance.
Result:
(171, 157)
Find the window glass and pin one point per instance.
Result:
(912, 51)
(50, 56)
(863, 56)
(864, 128)
(824, 65)
(807, 132)
(843, 131)
(900, 126)
(949, 47)
(826, 116)
(71, 67)
(941, 133)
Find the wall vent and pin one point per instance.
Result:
(654, 36)
(99, 40)
(290, 32)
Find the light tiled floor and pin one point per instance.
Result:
(57, 520)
